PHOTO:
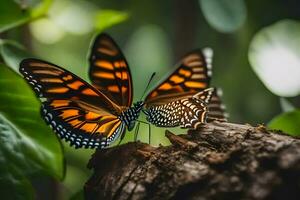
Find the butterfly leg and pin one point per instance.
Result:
(122, 137)
(136, 131)
(149, 128)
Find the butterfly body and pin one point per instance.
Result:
(129, 116)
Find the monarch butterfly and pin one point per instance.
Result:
(175, 101)
(95, 115)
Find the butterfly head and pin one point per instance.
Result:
(131, 114)
(138, 105)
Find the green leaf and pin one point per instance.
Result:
(274, 57)
(14, 185)
(287, 122)
(13, 53)
(107, 18)
(224, 15)
(14, 13)
(30, 144)
(41, 8)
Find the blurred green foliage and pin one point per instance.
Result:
(18, 12)
(153, 36)
(107, 18)
(13, 53)
(286, 106)
(274, 57)
(224, 15)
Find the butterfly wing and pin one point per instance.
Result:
(109, 71)
(216, 107)
(79, 126)
(187, 113)
(191, 76)
(78, 112)
(197, 109)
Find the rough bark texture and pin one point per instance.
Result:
(218, 161)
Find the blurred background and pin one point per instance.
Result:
(256, 62)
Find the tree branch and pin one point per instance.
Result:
(218, 161)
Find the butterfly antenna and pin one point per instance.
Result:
(151, 78)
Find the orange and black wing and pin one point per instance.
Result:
(80, 126)
(191, 76)
(109, 71)
(78, 112)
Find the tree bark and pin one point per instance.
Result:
(217, 161)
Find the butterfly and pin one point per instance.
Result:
(182, 99)
(93, 115)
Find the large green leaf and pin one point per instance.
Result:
(274, 56)
(14, 185)
(288, 122)
(16, 12)
(21, 108)
(224, 15)
(13, 148)
(35, 148)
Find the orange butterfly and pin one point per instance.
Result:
(78, 112)
(175, 102)
(94, 116)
